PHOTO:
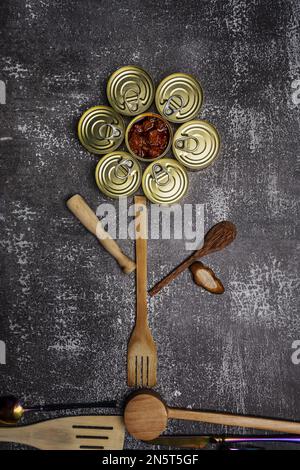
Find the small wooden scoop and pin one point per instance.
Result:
(146, 417)
(217, 238)
(204, 277)
(88, 218)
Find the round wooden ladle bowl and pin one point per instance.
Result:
(146, 417)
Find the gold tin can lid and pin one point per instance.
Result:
(130, 90)
(165, 181)
(118, 174)
(101, 129)
(196, 144)
(179, 97)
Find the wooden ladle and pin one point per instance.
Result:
(217, 238)
(146, 417)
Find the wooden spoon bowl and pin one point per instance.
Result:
(145, 416)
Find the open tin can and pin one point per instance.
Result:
(196, 144)
(165, 182)
(140, 120)
(118, 174)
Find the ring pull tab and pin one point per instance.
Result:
(173, 105)
(123, 169)
(159, 173)
(131, 99)
(108, 131)
(183, 143)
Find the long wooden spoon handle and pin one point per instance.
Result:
(88, 218)
(141, 261)
(290, 427)
(172, 275)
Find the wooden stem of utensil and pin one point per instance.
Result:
(235, 420)
(141, 262)
(217, 238)
(13, 434)
(88, 218)
(173, 274)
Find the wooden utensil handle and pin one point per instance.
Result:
(88, 218)
(235, 420)
(172, 275)
(141, 261)
(11, 434)
(216, 239)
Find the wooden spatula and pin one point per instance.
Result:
(142, 355)
(71, 433)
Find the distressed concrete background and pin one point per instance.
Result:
(66, 309)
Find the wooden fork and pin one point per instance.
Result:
(142, 354)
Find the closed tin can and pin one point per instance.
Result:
(179, 97)
(118, 174)
(136, 120)
(101, 129)
(165, 181)
(130, 90)
(196, 144)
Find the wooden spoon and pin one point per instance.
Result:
(217, 238)
(146, 417)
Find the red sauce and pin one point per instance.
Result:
(149, 137)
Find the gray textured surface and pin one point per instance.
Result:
(66, 310)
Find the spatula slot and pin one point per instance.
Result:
(106, 428)
(91, 447)
(136, 371)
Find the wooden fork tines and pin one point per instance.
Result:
(142, 359)
(142, 354)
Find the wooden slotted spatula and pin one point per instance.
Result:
(71, 433)
(142, 354)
